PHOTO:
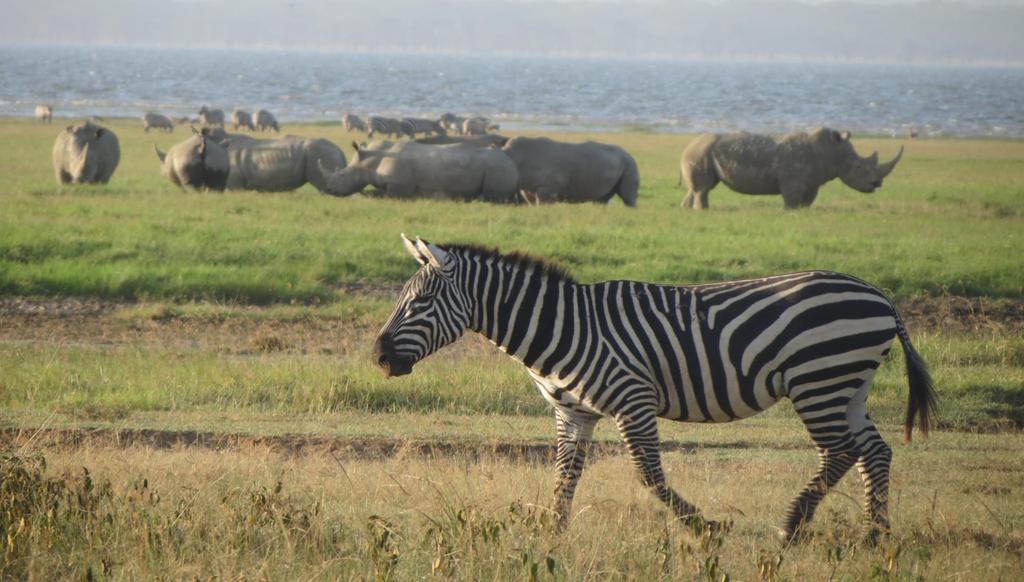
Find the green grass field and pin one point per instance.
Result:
(136, 306)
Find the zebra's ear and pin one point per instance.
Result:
(435, 254)
(413, 250)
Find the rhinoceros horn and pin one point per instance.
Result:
(885, 169)
(159, 153)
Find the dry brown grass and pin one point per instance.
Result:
(260, 511)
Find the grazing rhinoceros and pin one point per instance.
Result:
(451, 122)
(85, 154)
(410, 169)
(483, 141)
(242, 118)
(198, 162)
(211, 117)
(551, 171)
(44, 113)
(156, 121)
(265, 121)
(353, 123)
(795, 165)
(278, 164)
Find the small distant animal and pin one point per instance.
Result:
(552, 171)
(156, 121)
(912, 133)
(353, 122)
(242, 118)
(85, 153)
(44, 113)
(265, 121)
(452, 123)
(199, 163)
(475, 126)
(796, 165)
(185, 119)
(211, 117)
(388, 126)
(413, 126)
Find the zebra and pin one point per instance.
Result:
(384, 125)
(452, 122)
(411, 126)
(698, 353)
(353, 122)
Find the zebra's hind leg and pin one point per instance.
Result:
(873, 466)
(574, 434)
(837, 452)
(640, 431)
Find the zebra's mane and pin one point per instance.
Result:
(513, 259)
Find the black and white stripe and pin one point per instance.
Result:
(704, 353)
(413, 126)
(388, 126)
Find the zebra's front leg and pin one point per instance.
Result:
(575, 430)
(640, 431)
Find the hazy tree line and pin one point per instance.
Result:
(843, 30)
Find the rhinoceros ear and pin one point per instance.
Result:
(845, 136)
(355, 146)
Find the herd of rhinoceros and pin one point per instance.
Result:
(472, 165)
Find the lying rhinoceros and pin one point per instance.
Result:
(198, 162)
(552, 171)
(278, 164)
(795, 165)
(410, 169)
(85, 154)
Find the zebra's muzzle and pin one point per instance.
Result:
(388, 361)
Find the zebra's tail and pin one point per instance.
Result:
(922, 402)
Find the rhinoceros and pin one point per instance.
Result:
(242, 118)
(198, 162)
(44, 113)
(552, 171)
(85, 154)
(483, 141)
(796, 165)
(410, 169)
(265, 121)
(452, 123)
(156, 121)
(211, 117)
(278, 164)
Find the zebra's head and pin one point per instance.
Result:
(432, 311)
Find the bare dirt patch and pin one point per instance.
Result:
(74, 321)
(368, 448)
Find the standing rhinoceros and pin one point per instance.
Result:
(795, 165)
(265, 121)
(410, 169)
(551, 171)
(483, 141)
(156, 121)
(44, 113)
(211, 117)
(278, 164)
(85, 154)
(198, 162)
(242, 118)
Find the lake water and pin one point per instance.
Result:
(520, 92)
